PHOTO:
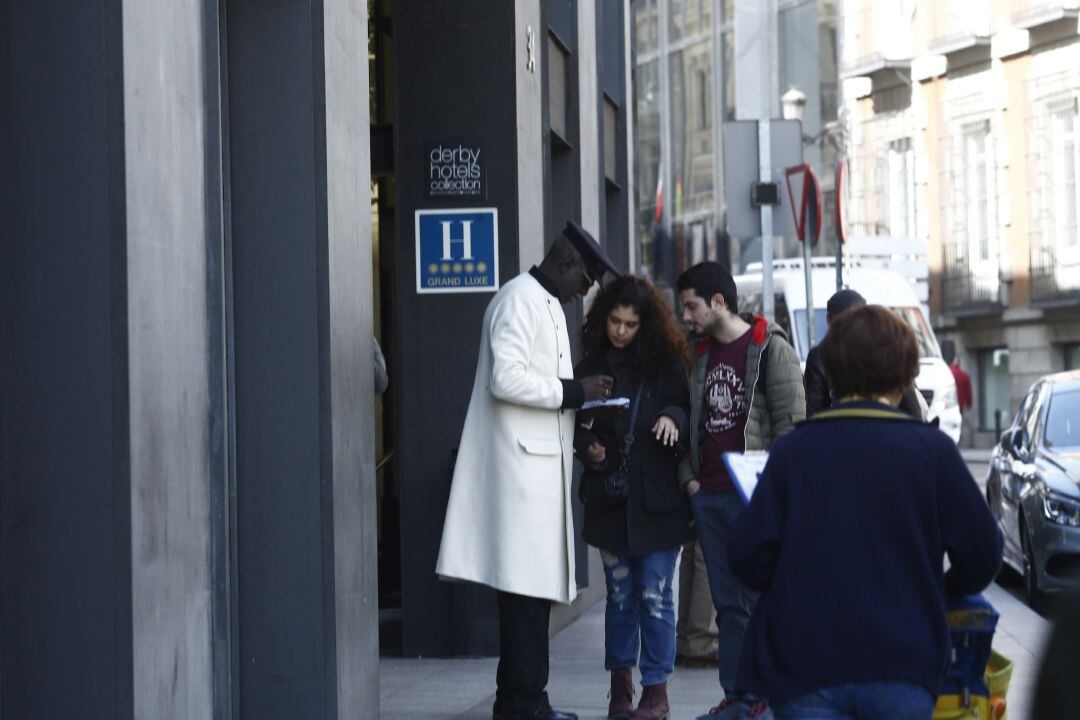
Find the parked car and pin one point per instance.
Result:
(1033, 487)
(880, 287)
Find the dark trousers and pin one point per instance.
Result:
(523, 654)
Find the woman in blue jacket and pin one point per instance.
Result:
(846, 535)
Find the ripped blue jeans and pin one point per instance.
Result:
(640, 605)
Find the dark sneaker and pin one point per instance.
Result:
(742, 707)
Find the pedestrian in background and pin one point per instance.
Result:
(964, 395)
(819, 394)
(508, 520)
(846, 536)
(746, 391)
(696, 637)
(630, 334)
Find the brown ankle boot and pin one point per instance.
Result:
(621, 694)
(654, 703)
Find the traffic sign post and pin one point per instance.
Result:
(756, 152)
(807, 215)
(841, 222)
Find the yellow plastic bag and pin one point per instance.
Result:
(998, 674)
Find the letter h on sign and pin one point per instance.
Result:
(465, 239)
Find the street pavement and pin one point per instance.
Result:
(465, 688)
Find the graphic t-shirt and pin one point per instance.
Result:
(726, 410)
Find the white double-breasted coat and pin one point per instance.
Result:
(508, 521)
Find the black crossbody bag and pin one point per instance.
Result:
(603, 491)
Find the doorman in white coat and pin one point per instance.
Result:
(508, 522)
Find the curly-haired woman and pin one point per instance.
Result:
(630, 333)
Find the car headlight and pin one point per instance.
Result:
(1061, 510)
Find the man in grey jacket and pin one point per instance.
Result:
(746, 390)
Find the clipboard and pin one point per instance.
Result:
(745, 469)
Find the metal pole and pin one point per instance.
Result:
(839, 265)
(837, 189)
(765, 175)
(809, 285)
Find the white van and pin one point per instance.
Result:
(879, 287)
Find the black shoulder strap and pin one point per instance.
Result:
(628, 439)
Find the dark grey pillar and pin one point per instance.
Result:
(455, 79)
(65, 531)
(300, 248)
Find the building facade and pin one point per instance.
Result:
(689, 80)
(541, 90)
(962, 133)
(208, 210)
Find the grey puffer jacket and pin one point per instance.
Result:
(776, 404)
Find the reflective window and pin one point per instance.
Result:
(727, 72)
(687, 18)
(821, 325)
(928, 347)
(1063, 420)
(647, 135)
(691, 138)
(646, 25)
(1031, 415)
(557, 62)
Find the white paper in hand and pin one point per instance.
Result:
(619, 402)
(745, 469)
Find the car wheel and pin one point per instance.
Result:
(1035, 596)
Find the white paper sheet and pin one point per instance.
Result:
(619, 402)
(745, 469)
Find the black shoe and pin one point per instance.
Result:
(548, 713)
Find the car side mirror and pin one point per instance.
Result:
(1016, 445)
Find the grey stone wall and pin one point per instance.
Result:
(168, 331)
(348, 183)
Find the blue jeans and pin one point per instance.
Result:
(713, 514)
(866, 701)
(639, 604)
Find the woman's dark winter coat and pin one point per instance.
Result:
(656, 514)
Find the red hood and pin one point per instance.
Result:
(759, 330)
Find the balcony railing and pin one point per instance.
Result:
(955, 30)
(1055, 276)
(965, 290)
(873, 63)
(1040, 12)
